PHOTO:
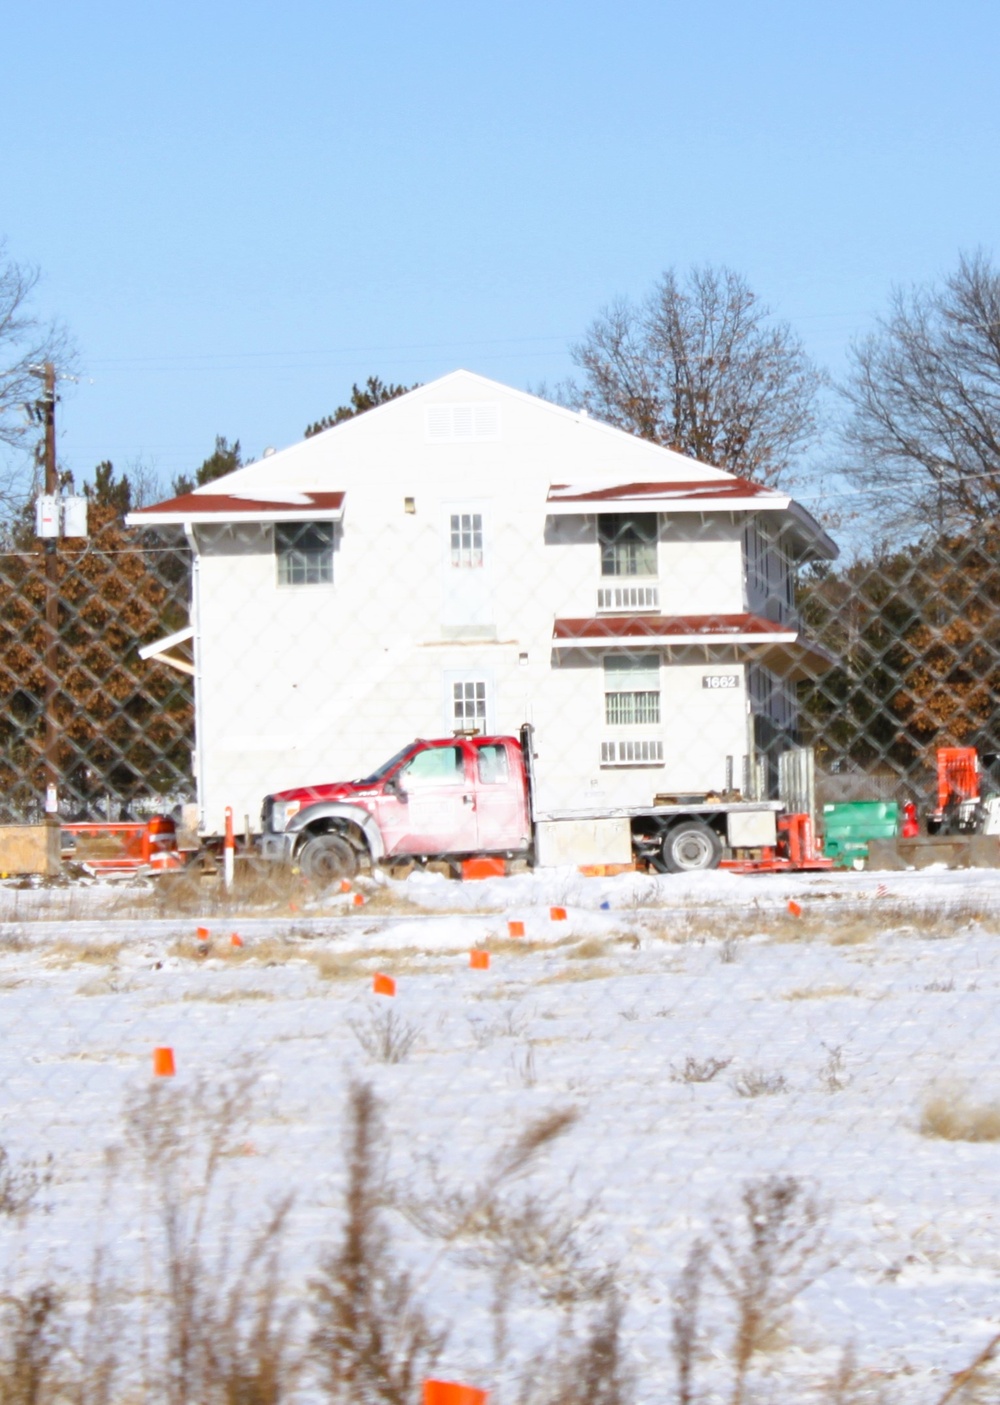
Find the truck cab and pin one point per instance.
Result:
(434, 799)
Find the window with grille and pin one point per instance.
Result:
(304, 551)
(466, 540)
(631, 691)
(644, 753)
(469, 705)
(628, 543)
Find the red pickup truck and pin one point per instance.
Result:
(467, 795)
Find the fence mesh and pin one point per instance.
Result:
(635, 1135)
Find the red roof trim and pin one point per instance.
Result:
(630, 492)
(659, 626)
(227, 505)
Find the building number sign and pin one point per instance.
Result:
(720, 680)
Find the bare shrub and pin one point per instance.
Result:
(698, 1070)
(21, 1185)
(371, 1340)
(592, 1369)
(833, 1074)
(759, 1083)
(954, 1118)
(385, 1035)
(522, 1062)
(685, 1311)
(511, 1023)
(973, 1376)
(227, 1336)
(33, 1347)
(530, 1242)
(765, 1264)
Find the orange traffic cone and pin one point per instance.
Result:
(383, 985)
(453, 1393)
(479, 960)
(515, 929)
(163, 1063)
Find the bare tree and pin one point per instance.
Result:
(25, 344)
(701, 367)
(925, 395)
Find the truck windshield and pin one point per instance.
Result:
(386, 767)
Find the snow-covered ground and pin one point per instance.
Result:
(838, 1026)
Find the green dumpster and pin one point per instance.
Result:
(847, 828)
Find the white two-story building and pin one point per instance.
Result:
(469, 556)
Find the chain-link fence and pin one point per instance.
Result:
(646, 1133)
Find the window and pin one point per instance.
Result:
(439, 765)
(469, 705)
(466, 540)
(494, 768)
(631, 691)
(305, 552)
(628, 544)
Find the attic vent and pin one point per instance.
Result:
(637, 753)
(462, 424)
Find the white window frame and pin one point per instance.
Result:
(627, 554)
(284, 555)
(467, 539)
(644, 703)
(478, 681)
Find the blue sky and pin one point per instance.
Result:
(239, 209)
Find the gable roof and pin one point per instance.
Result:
(622, 468)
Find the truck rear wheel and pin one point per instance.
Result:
(690, 847)
(327, 857)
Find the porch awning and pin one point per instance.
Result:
(266, 505)
(744, 638)
(728, 494)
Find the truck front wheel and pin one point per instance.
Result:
(691, 846)
(327, 857)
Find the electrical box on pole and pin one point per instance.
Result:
(74, 516)
(47, 515)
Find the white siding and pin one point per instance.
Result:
(319, 682)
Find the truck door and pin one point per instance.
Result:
(437, 813)
(501, 802)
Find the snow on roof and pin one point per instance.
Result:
(280, 505)
(791, 653)
(671, 493)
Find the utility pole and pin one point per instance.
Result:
(51, 596)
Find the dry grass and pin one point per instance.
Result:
(698, 1070)
(954, 1117)
(819, 992)
(853, 933)
(106, 985)
(228, 997)
(579, 973)
(66, 953)
(759, 1083)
